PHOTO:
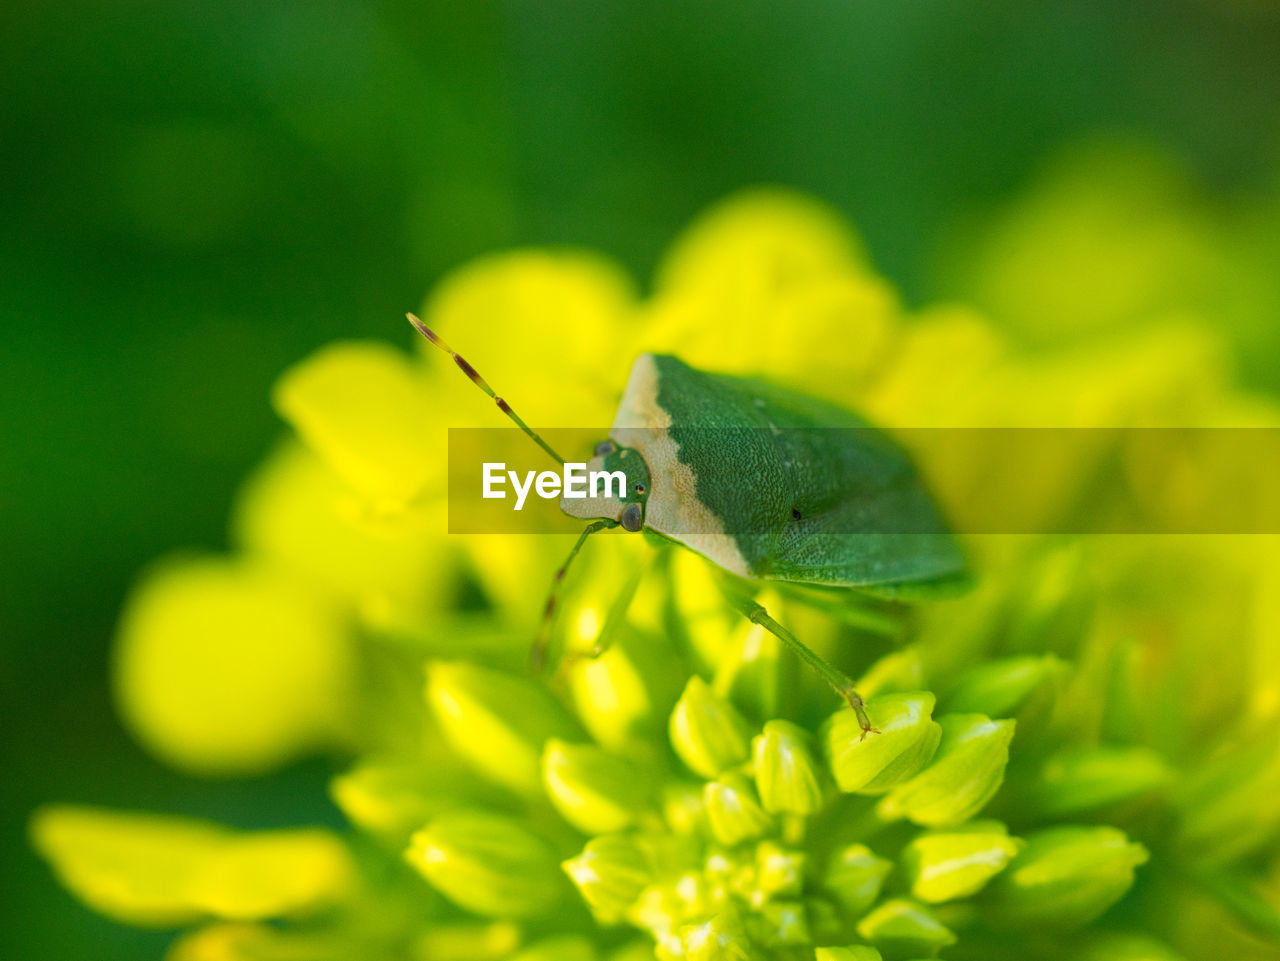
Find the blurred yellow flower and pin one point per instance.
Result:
(162, 871)
(229, 667)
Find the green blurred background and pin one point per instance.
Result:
(197, 193)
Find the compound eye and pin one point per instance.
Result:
(604, 448)
(632, 517)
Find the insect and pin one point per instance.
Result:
(766, 483)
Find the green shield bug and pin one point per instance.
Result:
(766, 483)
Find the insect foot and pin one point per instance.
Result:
(854, 700)
(909, 740)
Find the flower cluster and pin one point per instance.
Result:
(746, 835)
(1075, 759)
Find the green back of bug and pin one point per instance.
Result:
(801, 491)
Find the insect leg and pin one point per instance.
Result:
(837, 679)
(538, 656)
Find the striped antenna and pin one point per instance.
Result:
(480, 382)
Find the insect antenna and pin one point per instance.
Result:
(480, 382)
(539, 653)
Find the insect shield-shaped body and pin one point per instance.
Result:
(764, 482)
(767, 483)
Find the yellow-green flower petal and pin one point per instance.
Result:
(722, 938)
(489, 864)
(941, 360)
(855, 952)
(240, 941)
(755, 674)
(999, 688)
(597, 792)
(874, 763)
(762, 236)
(898, 672)
(567, 947)
(707, 732)
(624, 695)
(271, 873)
(499, 723)
(225, 668)
(697, 614)
(1128, 947)
(902, 926)
(1085, 779)
(1231, 804)
(467, 941)
(395, 797)
(733, 810)
(787, 777)
(964, 775)
(764, 261)
(1067, 876)
(780, 924)
(854, 877)
(684, 807)
(1120, 214)
(162, 870)
(132, 867)
(945, 865)
(364, 408)
(779, 870)
(596, 597)
(610, 874)
(495, 312)
(298, 515)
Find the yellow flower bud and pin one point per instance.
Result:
(623, 696)
(497, 722)
(999, 688)
(734, 811)
(950, 864)
(487, 863)
(854, 877)
(788, 778)
(1085, 779)
(1067, 876)
(597, 792)
(874, 763)
(903, 926)
(611, 873)
(779, 870)
(707, 732)
(720, 939)
(964, 775)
